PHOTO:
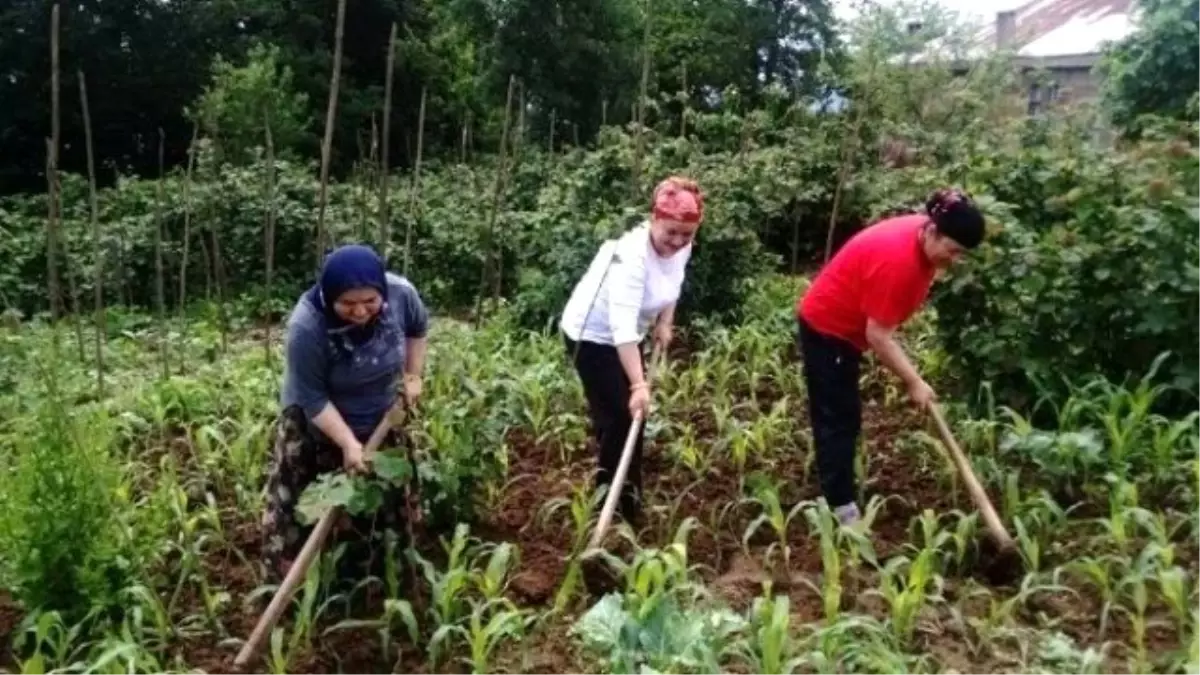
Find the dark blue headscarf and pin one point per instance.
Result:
(349, 267)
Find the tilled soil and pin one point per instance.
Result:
(539, 476)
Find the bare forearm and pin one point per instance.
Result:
(330, 422)
(667, 317)
(893, 357)
(415, 349)
(631, 362)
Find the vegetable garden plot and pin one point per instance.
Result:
(737, 567)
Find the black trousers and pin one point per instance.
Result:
(831, 370)
(607, 389)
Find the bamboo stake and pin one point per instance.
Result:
(497, 202)
(365, 181)
(848, 144)
(843, 170)
(187, 217)
(330, 117)
(462, 153)
(415, 190)
(159, 300)
(490, 246)
(219, 272)
(686, 105)
(52, 223)
(517, 145)
(635, 182)
(384, 222)
(56, 241)
(97, 248)
(270, 235)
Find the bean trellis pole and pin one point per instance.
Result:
(97, 247)
(640, 149)
(385, 232)
(491, 247)
(187, 217)
(269, 234)
(415, 192)
(849, 143)
(159, 299)
(330, 118)
(52, 179)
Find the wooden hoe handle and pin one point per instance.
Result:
(978, 495)
(618, 481)
(312, 548)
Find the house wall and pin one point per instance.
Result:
(1064, 85)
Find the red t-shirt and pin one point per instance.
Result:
(880, 273)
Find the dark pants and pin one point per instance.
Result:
(831, 369)
(607, 389)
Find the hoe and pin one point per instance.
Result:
(618, 480)
(1006, 563)
(312, 547)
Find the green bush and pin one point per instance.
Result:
(1090, 268)
(556, 210)
(61, 513)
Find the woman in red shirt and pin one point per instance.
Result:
(874, 283)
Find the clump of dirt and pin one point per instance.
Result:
(742, 582)
(548, 648)
(539, 574)
(10, 617)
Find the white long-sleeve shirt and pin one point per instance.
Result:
(638, 286)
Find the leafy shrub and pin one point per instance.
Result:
(60, 506)
(556, 210)
(1090, 268)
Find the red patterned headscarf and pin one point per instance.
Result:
(679, 199)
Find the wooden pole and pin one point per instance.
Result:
(640, 149)
(97, 248)
(385, 232)
(330, 118)
(52, 223)
(159, 299)
(414, 195)
(269, 234)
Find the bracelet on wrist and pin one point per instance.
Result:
(639, 385)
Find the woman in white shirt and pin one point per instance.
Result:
(632, 283)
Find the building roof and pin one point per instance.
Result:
(1048, 32)
(1051, 28)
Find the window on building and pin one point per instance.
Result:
(1042, 96)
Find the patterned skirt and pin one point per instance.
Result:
(297, 459)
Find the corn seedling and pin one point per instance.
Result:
(766, 496)
(769, 647)
(490, 623)
(583, 516)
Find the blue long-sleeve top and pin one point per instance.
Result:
(359, 379)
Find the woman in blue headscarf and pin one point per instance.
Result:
(349, 339)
